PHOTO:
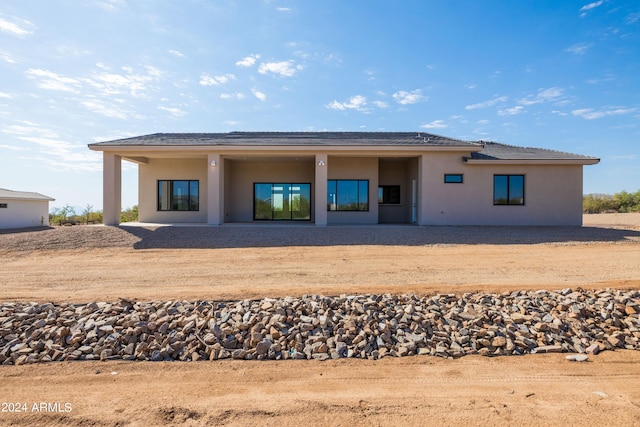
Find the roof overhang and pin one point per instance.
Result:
(531, 161)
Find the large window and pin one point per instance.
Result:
(178, 195)
(281, 201)
(389, 194)
(508, 190)
(347, 195)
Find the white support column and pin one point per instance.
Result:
(322, 174)
(423, 202)
(215, 189)
(111, 188)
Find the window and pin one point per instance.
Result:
(389, 194)
(178, 195)
(347, 195)
(453, 178)
(3, 205)
(281, 201)
(508, 190)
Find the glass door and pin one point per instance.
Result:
(282, 201)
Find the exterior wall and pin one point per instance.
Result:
(553, 194)
(397, 172)
(24, 213)
(355, 168)
(173, 169)
(241, 175)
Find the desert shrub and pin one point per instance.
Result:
(619, 202)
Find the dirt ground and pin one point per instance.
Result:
(529, 390)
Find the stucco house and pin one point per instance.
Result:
(326, 178)
(21, 209)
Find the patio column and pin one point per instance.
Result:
(423, 167)
(111, 188)
(320, 194)
(215, 189)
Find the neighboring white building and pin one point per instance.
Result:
(343, 178)
(20, 209)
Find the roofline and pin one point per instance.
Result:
(592, 161)
(204, 149)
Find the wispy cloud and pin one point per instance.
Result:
(282, 68)
(543, 95)
(487, 104)
(357, 102)
(17, 27)
(207, 80)
(511, 111)
(579, 48)
(177, 53)
(260, 95)
(7, 58)
(175, 112)
(591, 114)
(380, 104)
(436, 124)
(5, 95)
(248, 61)
(52, 81)
(236, 95)
(590, 6)
(107, 110)
(632, 18)
(110, 5)
(405, 98)
(284, 9)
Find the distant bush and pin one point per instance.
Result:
(129, 214)
(619, 202)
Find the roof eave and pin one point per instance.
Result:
(592, 161)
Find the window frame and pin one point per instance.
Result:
(171, 200)
(289, 185)
(4, 205)
(509, 184)
(448, 176)
(358, 203)
(387, 190)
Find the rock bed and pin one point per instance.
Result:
(320, 327)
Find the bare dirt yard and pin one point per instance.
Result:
(94, 263)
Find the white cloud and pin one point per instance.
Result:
(130, 82)
(175, 112)
(543, 95)
(483, 122)
(404, 98)
(105, 110)
(177, 53)
(236, 95)
(7, 58)
(632, 18)
(486, 104)
(260, 95)
(52, 81)
(206, 80)
(511, 111)
(380, 104)
(5, 95)
(590, 6)
(590, 114)
(579, 48)
(248, 61)
(357, 102)
(19, 27)
(436, 124)
(110, 5)
(283, 68)
(284, 9)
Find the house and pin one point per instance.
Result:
(328, 178)
(20, 209)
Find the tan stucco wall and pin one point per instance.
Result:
(174, 169)
(397, 172)
(553, 194)
(355, 168)
(241, 175)
(24, 213)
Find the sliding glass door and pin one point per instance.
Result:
(282, 201)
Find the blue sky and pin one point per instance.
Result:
(562, 75)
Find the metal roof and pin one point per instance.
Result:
(23, 195)
(267, 139)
